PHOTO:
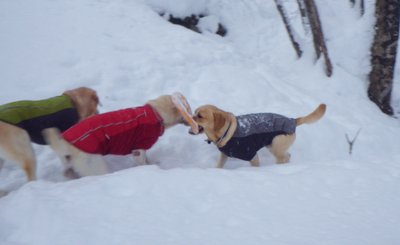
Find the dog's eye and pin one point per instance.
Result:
(199, 116)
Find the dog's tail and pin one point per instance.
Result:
(313, 116)
(53, 138)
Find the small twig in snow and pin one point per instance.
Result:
(351, 142)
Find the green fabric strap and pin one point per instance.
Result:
(16, 112)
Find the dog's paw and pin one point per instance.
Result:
(71, 174)
(140, 157)
(284, 159)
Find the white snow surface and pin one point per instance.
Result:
(129, 54)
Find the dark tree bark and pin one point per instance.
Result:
(383, 53)
(289, 29)
(362, 7)
(304, 16)
(318, 35)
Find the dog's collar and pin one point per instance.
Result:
(219, 140)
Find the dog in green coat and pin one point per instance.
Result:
(22, 122)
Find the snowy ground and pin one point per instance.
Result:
(129, 54)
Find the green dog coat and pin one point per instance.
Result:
(34, 116)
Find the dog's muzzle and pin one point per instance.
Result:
(184, 122)
(201, 130)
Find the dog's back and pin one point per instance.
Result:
(117, 132)
(259, 123)
(34, 116)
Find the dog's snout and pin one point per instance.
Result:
(201, 129)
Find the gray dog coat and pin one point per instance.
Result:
(255, 131)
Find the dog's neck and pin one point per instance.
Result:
(165, 113)
(226, 134)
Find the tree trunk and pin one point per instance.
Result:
(318, 35)
(304, 17)
(289, 29)
(362, 7)
(383, 53)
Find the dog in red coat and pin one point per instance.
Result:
(121, 132)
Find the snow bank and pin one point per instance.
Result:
(344, 203)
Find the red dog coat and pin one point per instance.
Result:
(118, 132)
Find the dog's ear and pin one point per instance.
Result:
(85, 101)
(95, 98)
(95, 102)
(219, 120)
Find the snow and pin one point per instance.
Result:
(130, 54)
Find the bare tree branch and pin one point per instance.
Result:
(318, 35)
(304, 17)
(362, 7)
(289, 29)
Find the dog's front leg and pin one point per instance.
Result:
(222, 160)
(255, 162)
(140, 157)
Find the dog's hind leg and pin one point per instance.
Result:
(25, 157)
(29, 167)
(76, 162)
(255, 162)
(17, 148)
(279, 146)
